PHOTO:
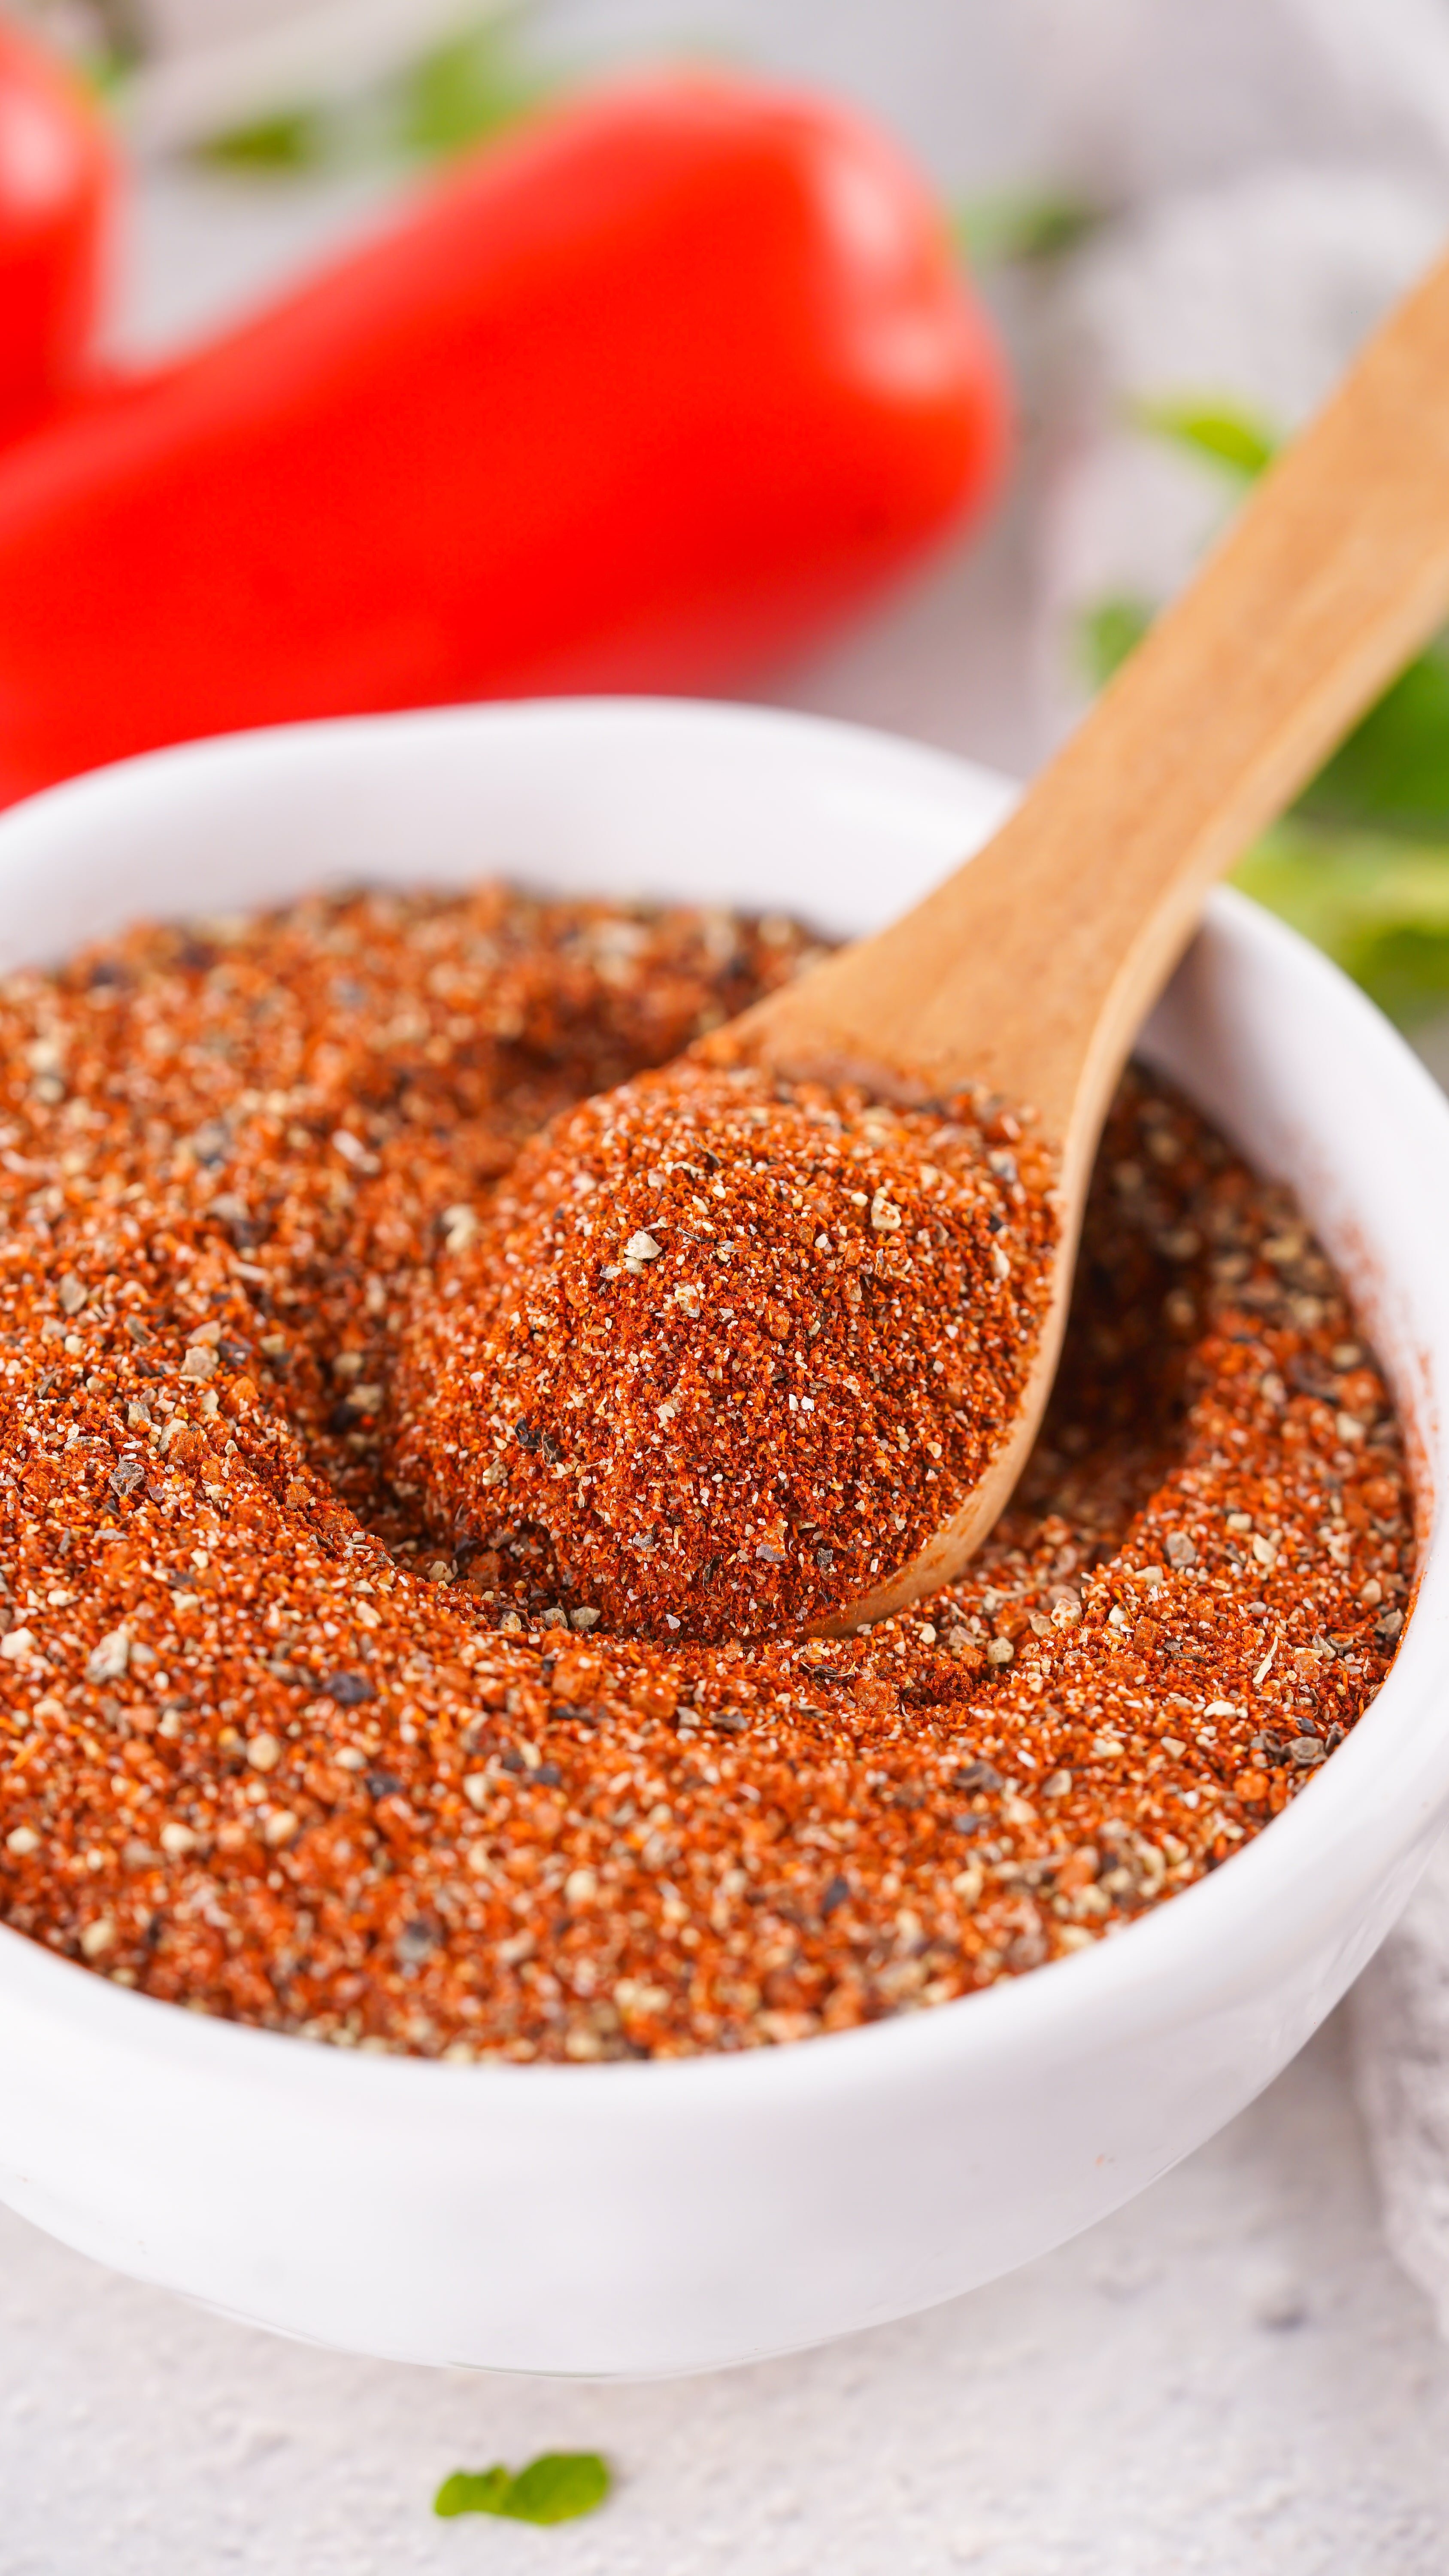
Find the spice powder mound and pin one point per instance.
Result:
(741, 1348)
(281, 1746)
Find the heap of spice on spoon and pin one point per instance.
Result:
(763, 1339)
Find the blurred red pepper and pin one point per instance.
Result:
(639, 398)
(57, 184)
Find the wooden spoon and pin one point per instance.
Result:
(1032, 968)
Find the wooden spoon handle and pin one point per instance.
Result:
(1033, 967)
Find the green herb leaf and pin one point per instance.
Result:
(1378, 906)
(473, 2491)
(994, 231)
(1361, 865)
(462, 92)
(556, 2487)
(1108, 633)
(295, 138)
(1218, 431)
(456, 94)
(1392, 773)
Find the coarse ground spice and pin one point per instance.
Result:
(275, 1752)
(741, 1348)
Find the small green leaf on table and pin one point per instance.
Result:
(556, 2487)
(473, 2491)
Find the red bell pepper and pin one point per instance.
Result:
(57, 184)
(643, 396)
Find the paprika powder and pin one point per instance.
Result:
(737, 1345)
(280, 1746)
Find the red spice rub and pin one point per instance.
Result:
(271, 1752)
(739, 1349)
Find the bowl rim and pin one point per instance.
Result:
(1153, 1960)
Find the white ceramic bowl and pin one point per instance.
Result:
(648, 2218)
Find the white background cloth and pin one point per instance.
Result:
(1232, 2372)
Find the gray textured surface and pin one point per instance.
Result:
(1399, 2016)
